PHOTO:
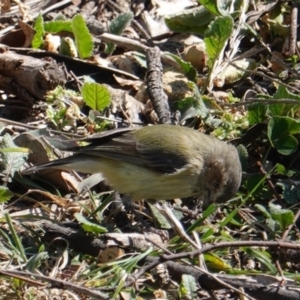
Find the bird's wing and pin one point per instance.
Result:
(125, 147)
(61, 143)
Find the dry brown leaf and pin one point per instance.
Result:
(196, 55)
(110, 254)
(28, 31)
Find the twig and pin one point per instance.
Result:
(267, 76)
(123, 42)
(263, 101)
(155, 87)
(58, 283)
(208, 248)
(130, 44)
(293, 28)
(253, 287)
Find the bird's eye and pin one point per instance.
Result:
(216, 185)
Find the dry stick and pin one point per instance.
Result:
(23, 278)
(278, 81)
(206, 280)
(123, 42)
(95, 244)
(207, 248)
(154, 85)
(74, 236)
(130, 44)
(257, 290)
(279, 269)
(267, 76)
(293, 29)
(263, 101)
(61, 284)
(15, 123)
(202, 270)
(143, 32)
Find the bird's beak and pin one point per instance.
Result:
(207, 199)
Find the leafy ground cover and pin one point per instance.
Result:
(229, 69)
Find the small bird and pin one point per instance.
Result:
(158, 162)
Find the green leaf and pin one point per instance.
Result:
(38, 40)
(11, 162)
(256, 113)
(291, 192)
(254, 183)
(5, 194)
(196, 105)
(58, 26)
(140, 58)
(272, 225)
(216, 37)
(160, 218)
(228, 218)
(262, 209)
(220, 7)
(211, 6)
(186, 67)
(286, 144)
(15, 237)
(209, 212)
(36, 261)
(95, 95)
(209, 233)
(18, 149)
(282, 109)
(188, 287)
(83, 38)
(193, 20)
(262, 256)
(284, 217)
(116, 27)
(215, 263)
(217, 7)
(67, 47)
(280, 169)
(89, 226)
(281, 125)
(280, 130)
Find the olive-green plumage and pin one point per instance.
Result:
(158, 162)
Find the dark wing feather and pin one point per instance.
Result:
(107, 135)
(158, 159)
(66, 144)
(125, 147)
